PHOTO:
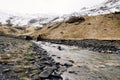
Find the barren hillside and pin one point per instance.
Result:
(94, 27)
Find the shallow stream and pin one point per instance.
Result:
(86, 65)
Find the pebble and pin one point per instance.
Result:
(71, 61)
(68, 65)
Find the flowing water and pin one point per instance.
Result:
(86, 65)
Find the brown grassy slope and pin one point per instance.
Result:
(16, 31)
(94, 27)
(4, 30)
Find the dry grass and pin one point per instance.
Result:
(95, 27)
(15, 31)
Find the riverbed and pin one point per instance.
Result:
(86, 65)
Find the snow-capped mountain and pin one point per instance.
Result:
(109, 6)
(26, 19)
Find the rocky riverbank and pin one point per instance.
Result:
(24, 60)
(83, 64)
(102, 46)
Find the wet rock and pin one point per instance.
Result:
(55, 73)
(71, 61)
(43, 59)
(71, 71)
(39, 38)
(62, 69)
(40, 66)
(28, 38)
(68, 65)
(58, 57)
(47, 72)
(53, 55)
(44, 51)
(57, 63)
(46, 63)
(74, 19)
(55, 77)
(59, 48)
(32, 62)
(36, 77)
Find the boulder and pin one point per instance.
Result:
(0, 23)
(47, 72)
(32, 21)
(74, 19)
(28, 38)
(9, 22)
(39, 38)
(117, 12)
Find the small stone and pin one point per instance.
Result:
(58, 57)
(71, 71)
(102, 66)
(68, 65)
(58, 64)
(71, 61)
(45, 63)
(19, 69)
(25, 78)
(36, 77)
(5, 56)
(41, 66)
(6, 70)
(32, 62)
(53, 55)
(43, 59)
(45, 74)
(59, 48)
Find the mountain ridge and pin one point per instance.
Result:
(20, 20)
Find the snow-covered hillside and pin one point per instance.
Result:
(26, 19)
(109, 6)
